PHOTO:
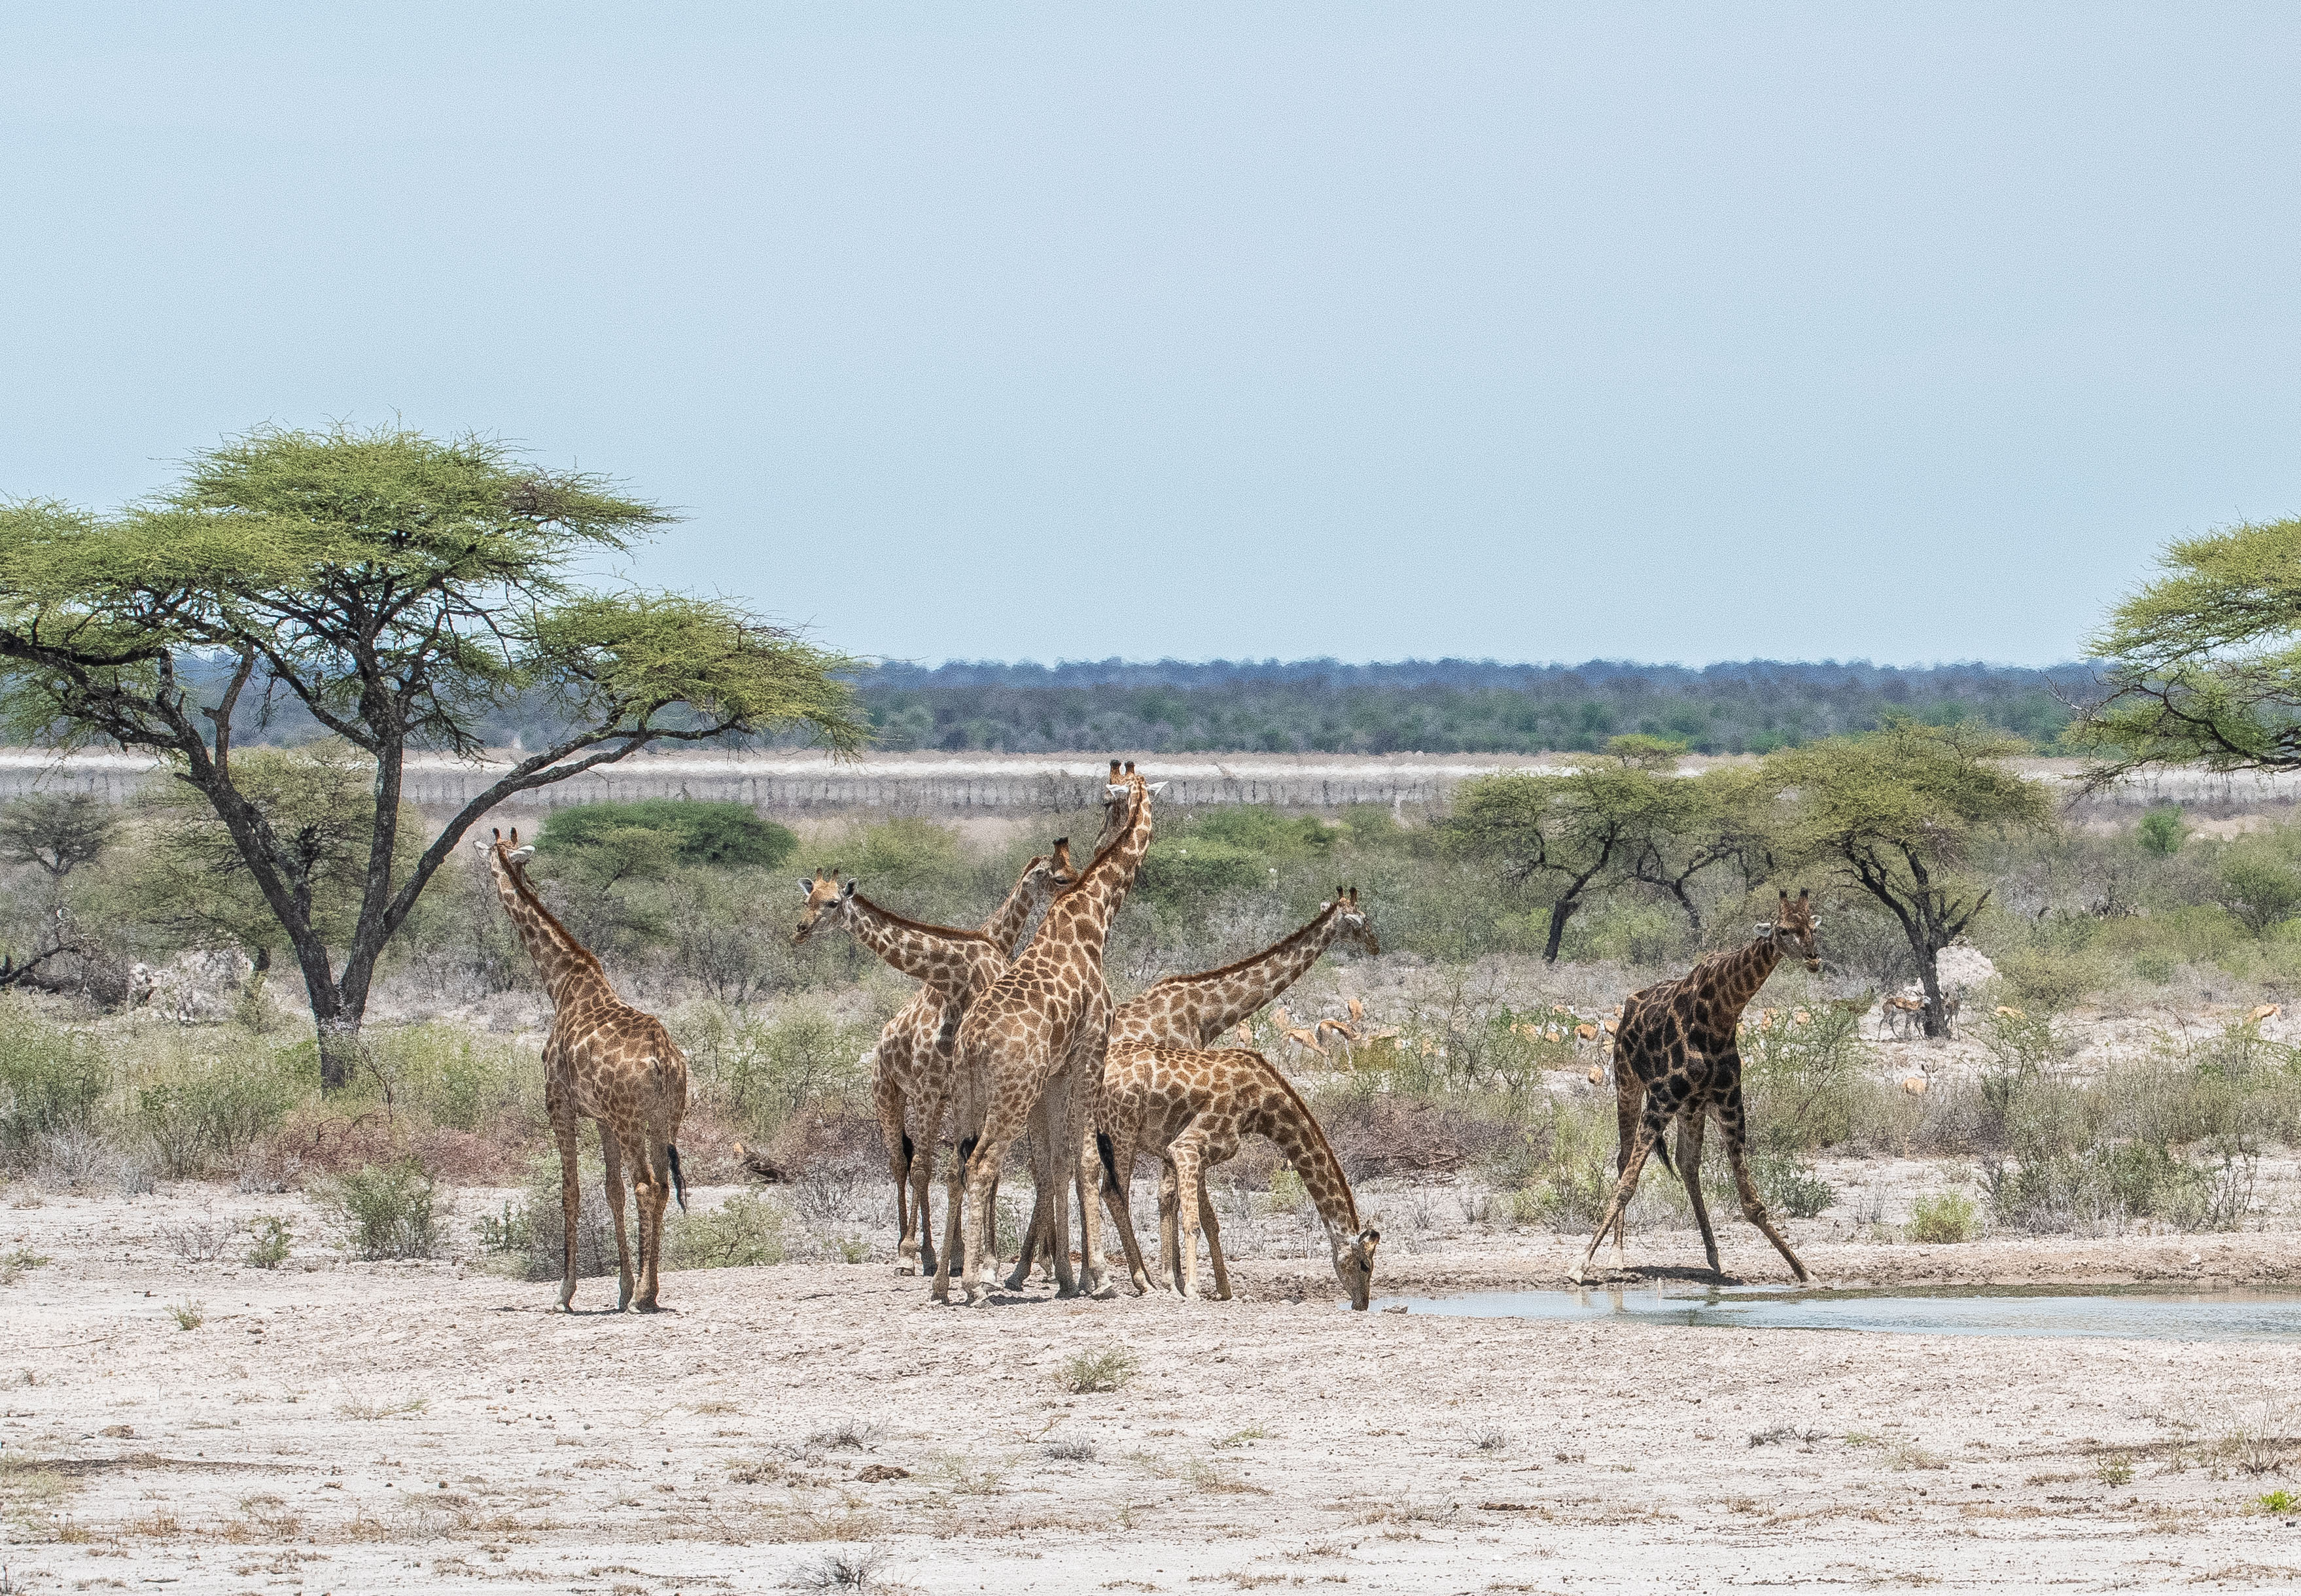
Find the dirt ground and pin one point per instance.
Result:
(332, 1426)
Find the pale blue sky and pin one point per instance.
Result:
(1676, 333)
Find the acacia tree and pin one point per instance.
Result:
(1896, 813)
(398, 587)
(1571, 829)
(1721, 816)
(2203, 664)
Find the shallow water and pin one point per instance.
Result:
(2139, 1313)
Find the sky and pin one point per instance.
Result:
(1673, 333)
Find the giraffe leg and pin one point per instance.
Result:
(1118, 1197)
(922, 1171)
(1055, 1167)
(1035, 1236)
(1214, 1242)
(1170, 1252)
(1753, 1206)
(611, 1153)
(1629, 1107)
(563, 1128)
(887, 1100)
(1185, 1154)
(1626, 1186)
(1086, 1166)
(1690, 1124)
(967, 1124)
(652, 1192)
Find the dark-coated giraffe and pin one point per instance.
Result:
(1676, 1057)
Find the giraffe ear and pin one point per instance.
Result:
(1156, 787)
(1765, 928)
(805, 887)
(847, 892)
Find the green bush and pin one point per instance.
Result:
(1942, 1216)
(208, 1114)
(760, 1070)
(1800, 1082)
(903, 856)
(51, 1079)
(272, 1239)
(692, 833)
(744, 1230)
(1790, 1187)
(1191, 870)
(385, 1210)
(1256, 829)
(2258, 884)
(452, 1076)
(2163, 831)
(2051, 978)
(531, 1229)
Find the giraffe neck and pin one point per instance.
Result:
(1209, 1003)
(1081, 916)
(566, 964)
(1010, 922)
(1283, 1117)
(1740, 974)
(948, 961)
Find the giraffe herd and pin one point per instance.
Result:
(1013, 1037)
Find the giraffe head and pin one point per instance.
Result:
(1047, 872)
(827, 902)
(1792, 929)
(1118, 801)
(1354, 927)
(1354, 1265)
(513, 854)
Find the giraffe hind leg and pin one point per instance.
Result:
(1689, 1169)
(1753, 1206)
(611, 1154)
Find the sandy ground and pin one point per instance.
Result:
(339, 1428)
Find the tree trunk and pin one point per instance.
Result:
(340, 1051)
(1936, 1022)
(1561, 913)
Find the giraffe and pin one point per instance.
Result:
(1030, 1051)
(1676, 1058)
(910, 1071)
(1191, 1106)
(603, 1060)
(1192, 1011)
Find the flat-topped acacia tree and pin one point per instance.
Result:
(398, 586)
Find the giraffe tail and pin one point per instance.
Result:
(678, 1181)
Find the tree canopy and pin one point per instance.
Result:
(395, 587)
(2203, 664)
(1895, 814)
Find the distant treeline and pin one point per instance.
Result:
(1436, 707)
(1440, 705)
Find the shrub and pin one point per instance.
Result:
(2163, 831)
(386, 1210)
(531, 1230)
(2258, 884)
(761, 1070)
(1107, 1370)
(1790, 1187)
(51, 1079)
(1801, 1080)
(693, 834)
(744, 1230)
(211, 1113)
(272, 1240)
(1188, 870)
(190, 1314)
(1942, 1216)
(452, 1076)
(2051, 978)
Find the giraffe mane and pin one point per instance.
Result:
(1317, 1131)
(951, 931)
(1235, 965)
(566, 938)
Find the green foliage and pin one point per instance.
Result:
(272, 1240)
(1945, 1216)
(1109, 1369)
(2201, 662)
(1800, 1082)
(744, 1230)
(190, 1314)
(57, 832)
(726, 835)
(51, 1079)
(198, 1115)
(1790, 1187)
(1191, 870)
(451, 1076)
(2050, 979)
(757, 1071)
(905, 854)
(2163, 831)
(385, 1211)
(2259, 884)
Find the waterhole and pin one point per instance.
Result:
(2133, 1312)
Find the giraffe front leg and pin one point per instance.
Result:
(1689, 1169)
(611, 1154)
(1185, 1154)
(1753, 1206)
(1054, 1167)
(1170, 1253)
(1035, 1240)
(1626, 1186)
(563, 1131)
(1118, 1199)
(922, 1158)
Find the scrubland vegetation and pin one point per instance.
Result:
(155, 1045)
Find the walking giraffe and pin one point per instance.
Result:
(1676, 1058)
(603, 1060)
